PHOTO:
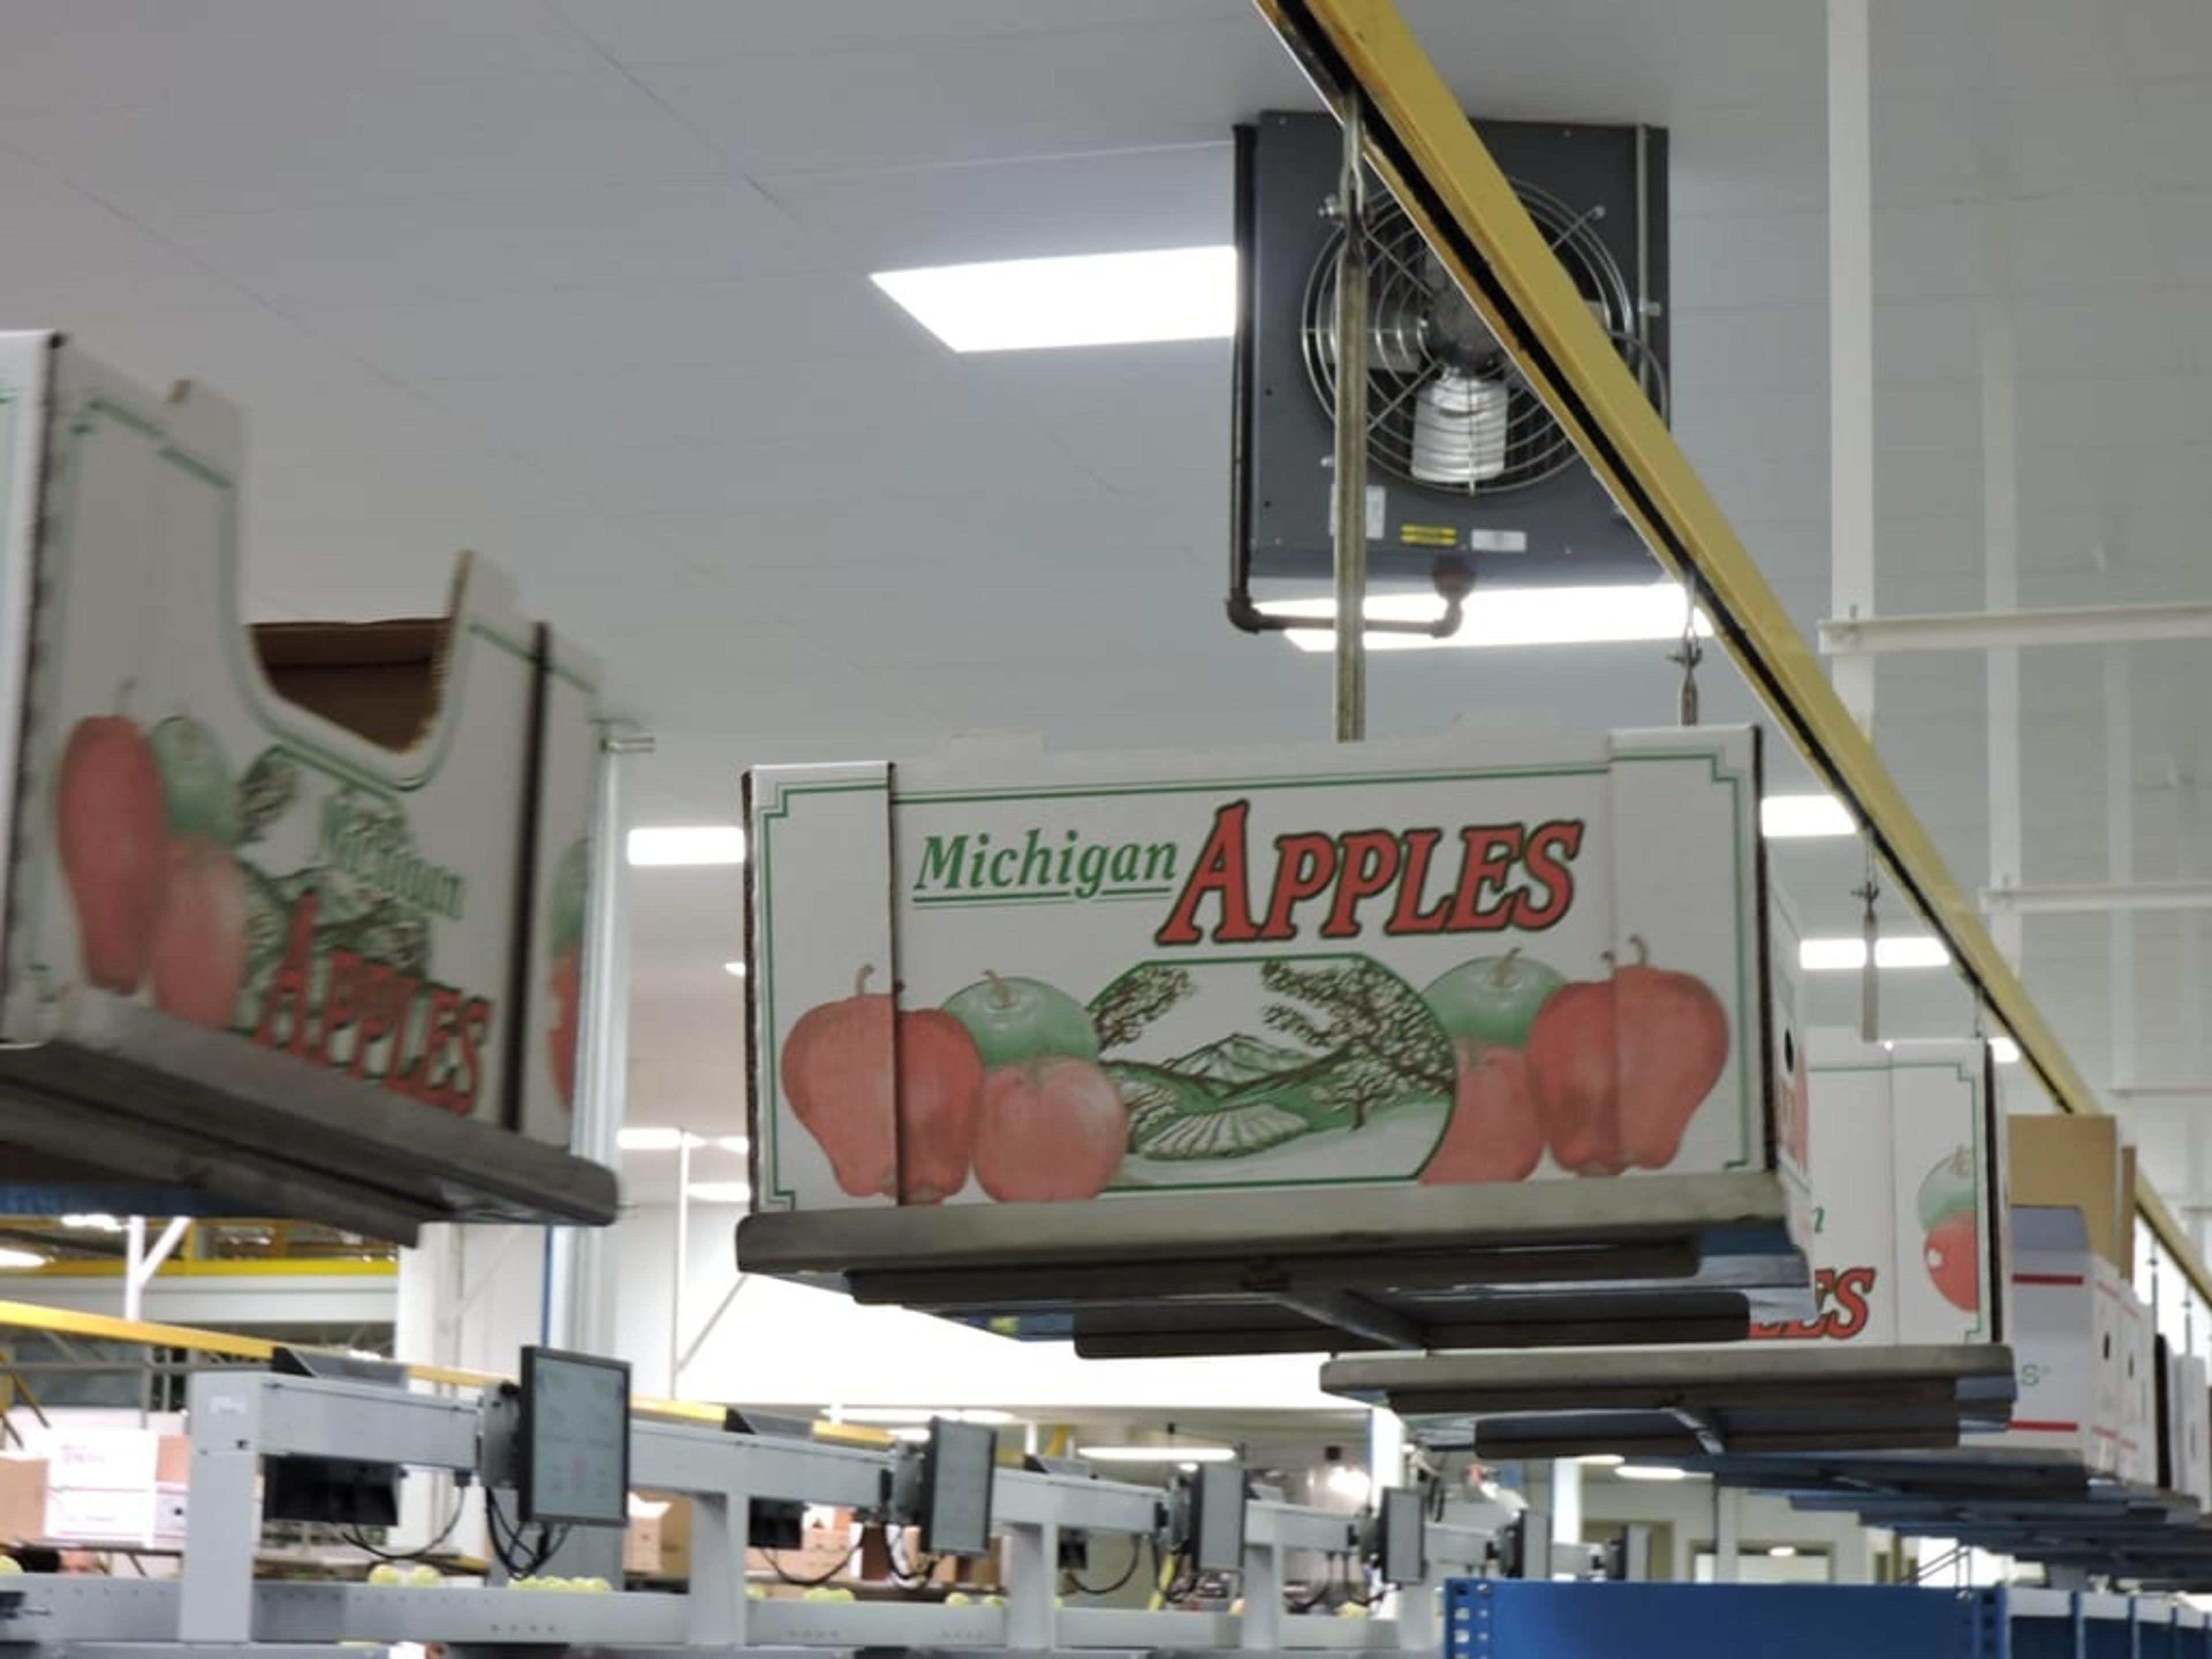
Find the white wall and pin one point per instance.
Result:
(784, 1345)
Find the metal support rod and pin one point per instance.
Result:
(2195, 1052)
(2120, 861)
(1850, 340)
(2093, 898)
(142, 1264)
(706, 1328)
(2000, 562)
(1351, 469)
(2002, 626)
(682, 1264)
(580, 1260)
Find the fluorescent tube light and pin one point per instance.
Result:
(641, 1139)
(719, 1192)
(2004, 1051)
(1802, 818)
(731, 1144)
(1601, 1460)
(687, 844)
(1083, 300)
(1846, 955)
(734, 970)
(898, 1416)
(1616, 614)
(1158, 1453)
(1782, 1552)
(1657, 1472)
(93, 1222)
(11, 1257)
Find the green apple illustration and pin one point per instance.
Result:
(1491, 1001)
(198, 797)
(1947, 1190)
(1014, 1020)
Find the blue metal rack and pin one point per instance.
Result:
(1507, 1619)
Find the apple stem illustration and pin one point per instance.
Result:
(123, 696)
(1642, 951)
(1504, 973)
(860, 979)
(1002, 994)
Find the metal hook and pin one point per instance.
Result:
(1687, 655)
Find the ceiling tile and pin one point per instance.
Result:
(393, 252)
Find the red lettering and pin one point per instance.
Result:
(378, 1016)
(1370, 861)
(438, 1031)
(403, 1076)
(1220, 871)
(341, 1000)
(1488, 853)
(1549, 849)
(1304, 866)
(474, 1033)
(1854, 1289)
(1408, 917)
(291, 986)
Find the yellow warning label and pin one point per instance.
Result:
(1428, 535)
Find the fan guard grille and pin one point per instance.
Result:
(1434, 373)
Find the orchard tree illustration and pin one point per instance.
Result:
(1124, 1010)
(1377, 1042)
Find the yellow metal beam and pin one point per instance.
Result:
(64, 1322)
(1420, 142)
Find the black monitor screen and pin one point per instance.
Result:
(1405, 1536)
(958, 1468)
(574, 1439)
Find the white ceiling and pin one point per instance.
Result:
(582, 284)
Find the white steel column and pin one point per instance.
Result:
(581, 1262)
(2000, 557)
(1850, 341)
(2120, 860)
(2195, 1051)
(1728, 1534)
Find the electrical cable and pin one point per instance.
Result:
(353, 1538)
(1136, 1554)
(777, 1568)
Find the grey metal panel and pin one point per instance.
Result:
(1574, 532)
(1655, 1258)
(203, 1110)
(1675, 1403)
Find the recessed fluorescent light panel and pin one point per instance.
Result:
(687, 844)
(1085, 300)
(2004, 1051)
(11, 1257)
(1837, 956)
(1158, 1453)
(1619, 614)
(1802, 818)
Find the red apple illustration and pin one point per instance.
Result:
(1495, 1133)
(1954, 1262)
(110, 832)
(1621, 1066)
(862, 1086)
(1674, 1037)
(1051, 1128)
(198, 957)
(940, 1093)
(565, 984)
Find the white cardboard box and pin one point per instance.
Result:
(2066, 1312)
(151, 1517)
(1184, 973)
(1905, 1155)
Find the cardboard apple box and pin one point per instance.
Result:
(1280, 970)
(1907, 1160)
(2066, 1311)
(358, 845)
